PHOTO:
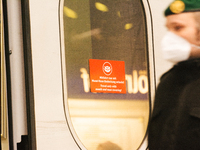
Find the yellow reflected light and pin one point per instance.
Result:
(128, 26)
(70, 13)
(119, 14)
(101, 7)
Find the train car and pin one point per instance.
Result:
(79, 74)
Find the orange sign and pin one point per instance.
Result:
(107, 76)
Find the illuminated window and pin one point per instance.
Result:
(106, 30)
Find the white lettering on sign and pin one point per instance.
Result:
(137, 82)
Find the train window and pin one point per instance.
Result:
(106, 30)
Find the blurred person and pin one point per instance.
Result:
(108, 146)
(175, 121)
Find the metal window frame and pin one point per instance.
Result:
(150, 59)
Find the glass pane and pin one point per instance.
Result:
(107, 30)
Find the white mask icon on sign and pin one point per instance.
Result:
(107, 68)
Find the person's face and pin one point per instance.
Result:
(184, 25)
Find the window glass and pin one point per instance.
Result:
(107, 30)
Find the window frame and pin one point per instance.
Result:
(150, 68)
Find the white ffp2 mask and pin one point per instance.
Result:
(175, 48)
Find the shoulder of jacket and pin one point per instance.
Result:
(166, 73)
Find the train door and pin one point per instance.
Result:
(67, 113)
(15, 88)
(83, 73)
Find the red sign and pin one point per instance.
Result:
(107, 76)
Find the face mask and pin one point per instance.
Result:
(175, 48)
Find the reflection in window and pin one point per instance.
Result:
(107, 30)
